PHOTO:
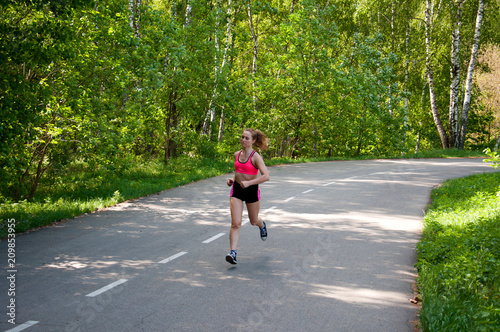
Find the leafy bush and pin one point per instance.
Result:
(494, 158)
(84, 188)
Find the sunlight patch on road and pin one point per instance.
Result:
(69, 263)
(338, 221)
(362, 296)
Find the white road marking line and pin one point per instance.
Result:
(289, 199)
(214, 238)
(308, 191)
(327, 184)
(106, 288)
(24, 326)
(171, 258)
(270, 209)
(352, 177)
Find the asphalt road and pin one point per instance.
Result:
(339, 256)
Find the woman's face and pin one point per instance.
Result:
(246, 139)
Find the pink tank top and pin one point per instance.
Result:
(247, 167)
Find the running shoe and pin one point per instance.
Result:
(231, 258)
(263, 232)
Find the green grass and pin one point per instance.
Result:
(446, 153)
(459, 256)
(442, 153)
(81, 188)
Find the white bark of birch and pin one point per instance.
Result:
(455, 75)
(210, 116)
(224, 60)
(470, 73)
(135, 16)
(255, 54)
(422, 105)
(407, 74)
(219, 71)
(187, 17)
(430, 74)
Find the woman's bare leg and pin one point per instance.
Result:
(253, 214)
(236, 206)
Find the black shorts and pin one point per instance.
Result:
(249, 195)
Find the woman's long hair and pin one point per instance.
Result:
(261, 140)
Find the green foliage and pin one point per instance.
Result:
(459, 256)
(80, 81)
(480, 120)
(69, 63)
(494, 158)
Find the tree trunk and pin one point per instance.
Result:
(470, 73)
(171, 120)
(422, 102)
(221, 125)
(38, 156)
(430, 76)
(40, 169)
(135, 16)
(187, 16)
(255, 53)
(407, 74)
(417, 146)
(393, 41)
(168, 121)
(455, 76)
(219, 71)
(210, 116)
(379, 49)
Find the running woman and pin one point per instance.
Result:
(245, 187)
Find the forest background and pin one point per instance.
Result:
(99, 86)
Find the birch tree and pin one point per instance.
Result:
(470, 73)
(254, 33)
(219, 71)
(210, 116)
(429, 19)
(135, 16)
(223, 69)
(455, 72)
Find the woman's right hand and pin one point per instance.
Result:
(230, 182)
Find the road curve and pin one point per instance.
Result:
(339, 256)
